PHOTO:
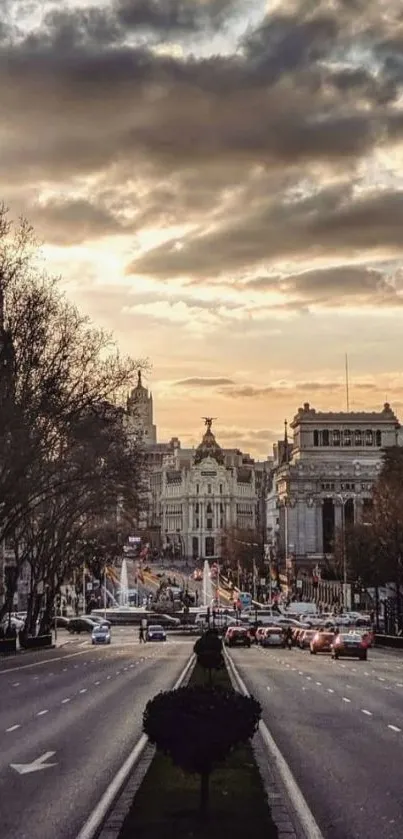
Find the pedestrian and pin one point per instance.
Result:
(141, 634)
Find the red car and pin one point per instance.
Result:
(349, 644)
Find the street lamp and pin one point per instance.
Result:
(343, 500)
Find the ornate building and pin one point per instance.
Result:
(205, 493)
(323, 480)
(140, 413)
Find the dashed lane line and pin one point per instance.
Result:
(41, 713)
(394, 728)
(319, 684)
(330, 690)
(368, 713)
(65, 701)
(12, 728)
(345, 699)
(83, 690)
(16, 685)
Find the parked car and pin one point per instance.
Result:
(273, 637)
(97, 618)
(101, 634)
(237, 636)
(259, 634)
(61, 622)
(156, 633)
(322, 642)
(349, 644)
(82, 624)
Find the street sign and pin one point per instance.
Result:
(262, 581)
(299, 584)
(357, 599)
(134, 540)
(89, 586)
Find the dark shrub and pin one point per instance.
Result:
(198, 727)
(208, 650)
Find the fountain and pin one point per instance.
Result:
(124, 585)
(208, 594)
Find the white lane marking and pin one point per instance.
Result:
(354, 669)
(16, 685)
(64, 670)
(319, 683)
(344, 666)
(380, 679)
(300, 673)
(293, 669)
(399, 685)
(117, 672)
(348, 686)
(12, 728)
(41, 713)
(108, 677)
(268, 688)
(330, 690)
(394, 728)
(35, 765)
(83, 690)
(36, 677)
(75, 666)
(345, 699)
(64, 701)
(97, 683)
(309, 678)
(368, 713)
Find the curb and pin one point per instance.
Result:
(106, 820)
(289, 809)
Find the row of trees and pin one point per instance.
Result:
(373, 547)
(70, 473)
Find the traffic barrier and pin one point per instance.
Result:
(395, 641)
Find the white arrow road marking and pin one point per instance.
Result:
(35, 766)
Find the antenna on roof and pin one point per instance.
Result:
(347, 387)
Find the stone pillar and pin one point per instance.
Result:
(319, 527)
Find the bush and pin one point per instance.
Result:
(208, 650)
(198, 727)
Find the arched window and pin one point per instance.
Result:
(369, 437)
(209, 507)
(346, 437)
(358, 437)
(379, 438)
(336, 437)
(325, 437)
(209, 546)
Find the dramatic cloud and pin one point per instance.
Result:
(216, 180)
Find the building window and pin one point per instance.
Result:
(325, 437)
(369, 438)
(197, 489)
(195, 547)
(347, 437)
(221, 508)
(197, 507)
(358, 437)
(316, 438)
(336, 437)
(209, 545)
(379, 438)
(209, 524)
(197, 524)
(209, 489)
(221, 522)
(220, 489)
(209, 508)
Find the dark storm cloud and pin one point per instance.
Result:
(199, 381)
(296, 388)
(328, 223)
(87, 94)
(74, 222)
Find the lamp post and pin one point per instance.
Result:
(343, 500)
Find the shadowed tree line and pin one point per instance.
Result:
(70, 472)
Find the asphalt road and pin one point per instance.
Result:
(83, 705)
(339, 726)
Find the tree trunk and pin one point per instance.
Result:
(204, 794)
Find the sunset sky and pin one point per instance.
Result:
(219, 182)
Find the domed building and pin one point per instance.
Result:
(202, 496)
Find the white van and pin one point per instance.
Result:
(301, 610)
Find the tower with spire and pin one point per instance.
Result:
(141, 412)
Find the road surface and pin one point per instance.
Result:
(68, 719)
(339, 726)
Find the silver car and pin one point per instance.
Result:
(101, 634)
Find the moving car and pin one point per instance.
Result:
(349, 644)
(156, 633)
(237, 636)
(101, 634)
(273, 637)
(305, 638)
(322, 642)
(82, 625)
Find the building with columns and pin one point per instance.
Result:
(205, 493)
(322, 480)
(140, 413)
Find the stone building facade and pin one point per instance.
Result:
(204, 494)
(323, 480)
